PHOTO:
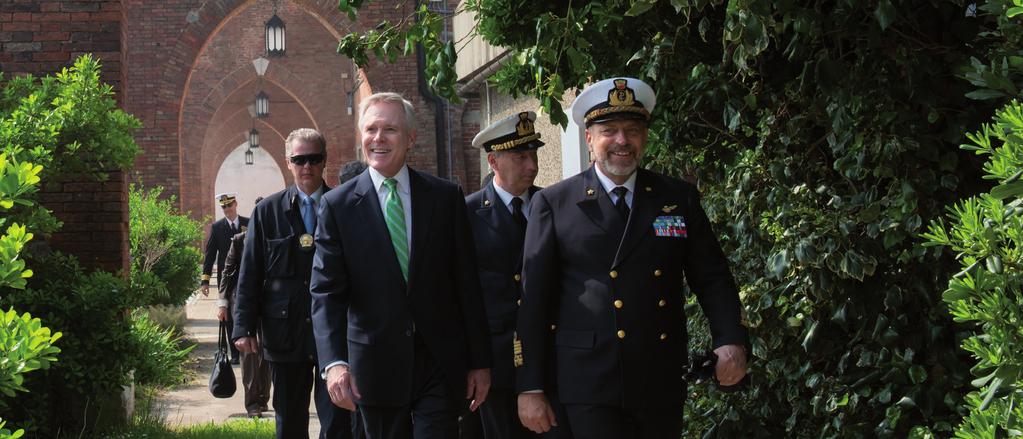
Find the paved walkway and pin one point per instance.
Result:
(192, 403)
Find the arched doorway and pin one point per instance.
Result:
(263, 177)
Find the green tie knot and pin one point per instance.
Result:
(391, 184)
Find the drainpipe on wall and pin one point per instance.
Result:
(440, 113)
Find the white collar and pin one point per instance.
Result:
(506, 197)
(402, 177)
(609, 185)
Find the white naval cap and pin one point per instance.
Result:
(614, 98)
(512, 133)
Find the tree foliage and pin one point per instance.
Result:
(824, 134)
(986, 234)
(164, 260)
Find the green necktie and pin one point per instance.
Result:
(394, 215)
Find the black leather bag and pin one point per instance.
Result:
(222, 384)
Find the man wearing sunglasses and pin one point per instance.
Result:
(399, 321)
(273, 293)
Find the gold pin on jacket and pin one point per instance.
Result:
(669, 208)
(486, 202)
(590, 191)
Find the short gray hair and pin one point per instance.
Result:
(388, 97)
(308, 135)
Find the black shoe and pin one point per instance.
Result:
(234, 361)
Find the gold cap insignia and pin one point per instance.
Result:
(669, 208)
(525, 126)
(621, 94)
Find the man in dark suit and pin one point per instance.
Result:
(399, 323)
(497, 215)
(605, 255)
(273, 293)
(217, 246)
(255, 371)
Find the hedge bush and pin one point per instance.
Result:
(165, 264)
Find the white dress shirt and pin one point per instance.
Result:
(507, 198)
(609, 185)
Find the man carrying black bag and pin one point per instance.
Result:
(222, 384)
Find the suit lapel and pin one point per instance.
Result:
(423, 201)
(596, 204)
(368, 206)
(293, 215)
(496, 214)
(644, 208)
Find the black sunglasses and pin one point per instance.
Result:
(301, 160)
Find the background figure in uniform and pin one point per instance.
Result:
(605, 255)
(399, 322)
(497, 215)
(273, 293)
(255, 371)
(216, 249)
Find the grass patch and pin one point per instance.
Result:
(232, 429)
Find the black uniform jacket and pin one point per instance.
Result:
(273, 287)
(218, 243)
(366, 314)
(614, 291)
(498, 241)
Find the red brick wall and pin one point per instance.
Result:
(40, 38)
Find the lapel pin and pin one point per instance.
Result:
(590, 191)
(486, 202)
(668, 209)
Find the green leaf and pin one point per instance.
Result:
(1003, 191)
(1012, 12)
(885, 14)
(638, 8)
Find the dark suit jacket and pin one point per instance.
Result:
(273, 287)
(232, 263)
(365, 313)
(618, 301)
(218, 243)
(499, 255)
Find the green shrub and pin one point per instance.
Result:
(162, 357)
(98, 347)
(165, 264)
(986, 234)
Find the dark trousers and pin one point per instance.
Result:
(432, 414)
(292, 384)
(605, 422)
(255, 381)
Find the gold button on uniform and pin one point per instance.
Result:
(518, 277)
(657, 272)
(519, 302)
(662, 303)
(621, 333)
(618, 304)
(614, 274)
(664, 336)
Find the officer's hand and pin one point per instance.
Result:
(248, 345)
(341, 387)
(477, 388)
(536, 413)
(205, 289)
(222, 313)
(731, 365)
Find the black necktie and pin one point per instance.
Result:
(621, 206)
(517, 212)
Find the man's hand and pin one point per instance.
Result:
(222, 313)
(536, 413)
(248, 345)
(205, 289)
(341, 387)
(731, 365)
(477, 387)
